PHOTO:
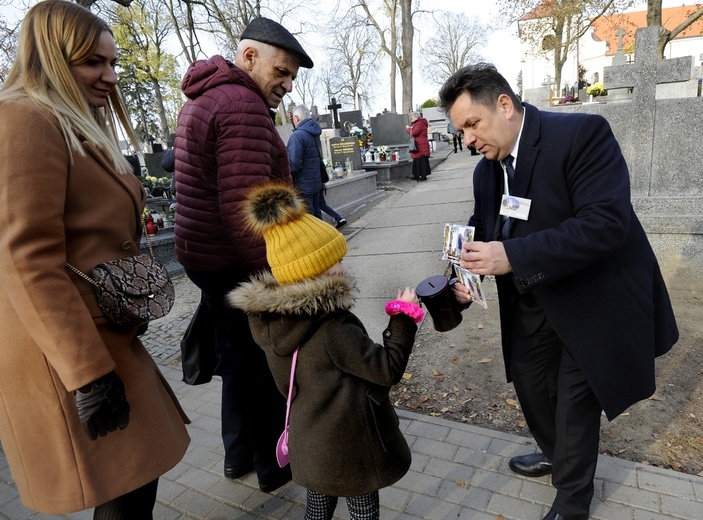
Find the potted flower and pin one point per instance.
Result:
(382, 152)
(596, 90)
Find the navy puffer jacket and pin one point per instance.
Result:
(304, 156)
(226, 142)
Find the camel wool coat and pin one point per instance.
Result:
(53, 337)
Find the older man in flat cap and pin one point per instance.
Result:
(226, 142)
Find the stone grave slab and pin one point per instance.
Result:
(349, 119)
(343, 148)
(389, 129)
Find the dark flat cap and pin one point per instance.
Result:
(267, 31)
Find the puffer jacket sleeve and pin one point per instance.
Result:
(248, 153)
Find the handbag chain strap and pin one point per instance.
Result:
(95, 283)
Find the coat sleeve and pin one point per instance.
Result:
(296, 152)
(597, 216)
(34, 280)
(418, 128)
(355, 353)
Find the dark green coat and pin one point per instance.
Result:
(344, 435)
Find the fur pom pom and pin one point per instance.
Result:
(272, 204)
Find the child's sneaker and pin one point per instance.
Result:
(341, 224)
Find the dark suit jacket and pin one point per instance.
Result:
(582, 254)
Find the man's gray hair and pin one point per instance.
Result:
(302, 112)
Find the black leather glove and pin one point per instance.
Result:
(102, 406)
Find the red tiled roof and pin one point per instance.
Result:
(606, 27)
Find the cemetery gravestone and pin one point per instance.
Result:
(660, 138)
(349, 119)
(389, 129)
(643, 76)
(334, 107)
(343, 148)
(325, 121)
(620, 58)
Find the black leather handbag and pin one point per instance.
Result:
(199, 357)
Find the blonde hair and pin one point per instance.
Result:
(54, 36)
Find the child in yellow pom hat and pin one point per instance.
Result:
(344, 439)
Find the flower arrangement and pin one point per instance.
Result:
(566, 99)
(364, 137)
(596, 89)
(382, 152)
(156, 186)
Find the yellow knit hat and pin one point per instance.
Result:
(298, 244)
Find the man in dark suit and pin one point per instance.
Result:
(583, 306)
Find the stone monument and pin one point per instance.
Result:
(343, 149)
(660, 139)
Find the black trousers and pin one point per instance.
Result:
(253, 410)
(560, 408)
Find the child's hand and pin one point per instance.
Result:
(408, 295)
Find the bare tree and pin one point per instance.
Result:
(89, 3)
(331, 80)
(393, 22)
(354, 42)
(307, 86)
(654, 18)
(8, 47)
(183, 21)
(454, 46)
(555, 26)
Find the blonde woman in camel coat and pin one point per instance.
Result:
(69, 196)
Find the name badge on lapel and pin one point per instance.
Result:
(515, 207)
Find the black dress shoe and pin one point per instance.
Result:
(553, 515)
(533, 465)
(234, 472)
(282, 477)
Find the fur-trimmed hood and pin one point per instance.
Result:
(312, 296)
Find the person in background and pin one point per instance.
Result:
(456, 136)
(87, 420)
(421, 158)
(344, 437)
(340, 221)
(226, 143)
(305, 156)
(584, 309)
(168, 163)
